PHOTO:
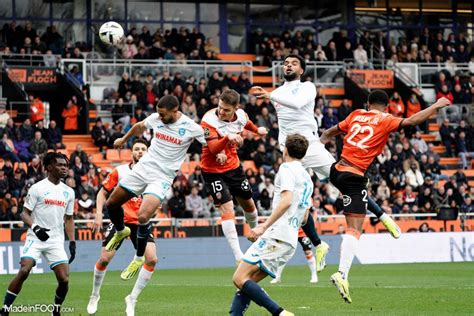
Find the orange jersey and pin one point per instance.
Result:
(215, 132)
(367, 134)
(131, 207)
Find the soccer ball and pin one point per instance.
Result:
(111, 33)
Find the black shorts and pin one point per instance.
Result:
(224, 186)
(305, 243)
(354, 191)
(110, 231)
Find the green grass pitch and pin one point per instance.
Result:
(402, 289)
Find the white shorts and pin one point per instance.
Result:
(318, 159)
(269, 254)
(146, 178)
(52, 250)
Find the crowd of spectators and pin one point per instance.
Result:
(179, 44)
(427, 47)
(405, 178)
(400, 176)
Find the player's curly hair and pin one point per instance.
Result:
(53, 156)
(301, 59)
(378, 97)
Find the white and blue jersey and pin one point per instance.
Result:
(291, 177)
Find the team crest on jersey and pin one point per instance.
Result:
(66, 194)
(346, 200)
(207, 132)
(181, 131)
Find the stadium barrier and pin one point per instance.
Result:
(166, 228)
(212, 252)
(107, 72)
(428, 72)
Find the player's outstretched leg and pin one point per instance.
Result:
(245, 278)
(149, 205)
(386, 220)
(229, 229)
(15, 285)
(100, 269)
(321, 247)
(144, 277)
(250, 211)
(348, 251)
(239, 305)
(113, 207)
(312, 265)
(62, 276)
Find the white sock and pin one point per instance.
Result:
(230, 232)
(312, 267)
(98, 279)
(143, 278)
(384, 216)
(138, 258)
(251, 218)
(348, 251)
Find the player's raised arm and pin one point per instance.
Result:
(305, 94)
(136, 130)
(422, 116)
(100, 202)
(330, 133)
(250, 126)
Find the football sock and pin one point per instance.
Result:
(143, 278)
(99, 275)
(251, 218)
(9, 298)
(230, 233)
(142, 238)
(310, 231)
(375, 208)
(240, 304)
(116, 216)
(259, 296)
(61, 292)
(312, 265)
(384, 216)
(348, 251)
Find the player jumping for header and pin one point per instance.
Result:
(139, 148)
(221, 169)
(367, 133)
(294, 103)
(153, 175)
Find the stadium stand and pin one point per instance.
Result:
(442, 174)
